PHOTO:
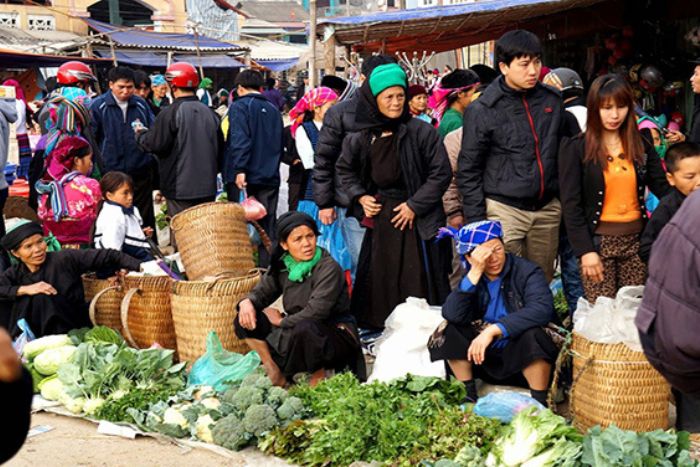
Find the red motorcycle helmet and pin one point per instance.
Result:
(74, 72)
(182, 75)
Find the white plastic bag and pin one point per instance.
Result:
(403, 348)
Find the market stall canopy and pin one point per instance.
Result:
(274, 55)
(14, 59)
(440, 28)
(160, 59)
(137, 38)
(37, 41)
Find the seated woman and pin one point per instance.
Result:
(68, 196)
(316, 333)
(46, 288)
(510, 296)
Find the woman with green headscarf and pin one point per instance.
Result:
(203, 93)
(395, 170)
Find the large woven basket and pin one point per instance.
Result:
(615, 384)
(200, 307)
(213, 240)
(105, 299)
(145, 312)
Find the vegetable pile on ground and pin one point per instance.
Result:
(404, 422)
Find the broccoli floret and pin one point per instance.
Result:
(230, 433)
(251, 379)
(290, 409)
(276, 396)
(244, 397)
(263, 383)
(260, 419)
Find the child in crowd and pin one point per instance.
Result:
(119, 223)
(683, 174)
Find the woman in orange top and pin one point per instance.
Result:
(603, 174)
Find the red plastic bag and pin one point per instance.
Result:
(254, 210)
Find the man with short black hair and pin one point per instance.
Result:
(507, 167)
(254, 150)
(142, 84)
(114, 114)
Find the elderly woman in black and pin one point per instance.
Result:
(395, 170)
(315, 333)
(45, 288)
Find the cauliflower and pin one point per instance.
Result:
(244, 397)
(203, 428)
(93, 405)
(48, 361)
(37, 346)
(51, 388)
(211, 403)
(260, 419)
(230, 433)
(276, 396)
(173, 417)
(290, 409)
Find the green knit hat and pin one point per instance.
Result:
(386, 76)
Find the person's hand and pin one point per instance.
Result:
(148, 232)
(592, 267)
(37, 289)
(10, 364)
(404, 217)
(478, 258)
(274, 315)
(477, 350)
(240, 181)
(456, 221)
(246, 315)
(674, 137)
(327, 216)
(370, 206)
(296, 161)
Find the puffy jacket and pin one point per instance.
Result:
(525, 291)
(669, 317)
(509, 148)
(187, 140)
(115, 136)
(424, 165)
(255, 142)
(338, 122)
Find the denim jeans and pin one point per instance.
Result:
(354, 233)
(570, 274)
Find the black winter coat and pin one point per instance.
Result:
(694, 133)
(526, 295)
(338, 122)
(583, 190)
(662, 215)
(16, 400)
(424, 164)
(509, 149)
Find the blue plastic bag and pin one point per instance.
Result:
(218, 367)
(504, 405)
(26, 336)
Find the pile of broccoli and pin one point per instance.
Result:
(257, 407)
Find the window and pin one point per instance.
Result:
(41, 23)
(428, 2)
(9, 20)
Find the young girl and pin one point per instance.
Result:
(603, 175)
(118, 225)
(68, 197)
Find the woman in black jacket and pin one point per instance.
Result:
(603, 175)
(395, 170)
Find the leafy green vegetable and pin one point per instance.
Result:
(37, 346)
(77, 336)
(51, 388)
(103, 334)
(292, 441)
(48, 361)
(116, 407)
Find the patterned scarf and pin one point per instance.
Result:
(311, 100)
(471, 236)
(54, 189)
(439, 97)
(69, 116)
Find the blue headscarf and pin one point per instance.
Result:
(471, 236)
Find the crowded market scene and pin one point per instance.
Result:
(446, 234)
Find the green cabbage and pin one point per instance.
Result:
(51, 388)
(48, 361)
(37, 346)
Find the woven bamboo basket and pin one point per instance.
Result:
(615, 384)
(145, 312)
(213, 240)
(105, 300)
(201, 307)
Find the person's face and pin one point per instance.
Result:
(142, 90)
(465, 97)
(686, 177)
(522, 73)
(123, 196)
(655, 136)
(32, 251)
(391, 101)
(160, 91)
(83, 164)
(695, 80)
(497, 260)
(418, 103)
(301, 243)
(320, 112)
(612, 115)
(122, 89)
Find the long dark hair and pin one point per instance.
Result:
(111, 181)
(604, 89)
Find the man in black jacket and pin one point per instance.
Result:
(507, 167)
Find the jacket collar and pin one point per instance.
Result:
(127, 211)
(499, 89)
(111, 100)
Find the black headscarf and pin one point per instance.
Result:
(368, 116)
(286, 223)
(16, 236)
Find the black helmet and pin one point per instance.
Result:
(564, 79)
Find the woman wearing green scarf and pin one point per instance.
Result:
(315, 333)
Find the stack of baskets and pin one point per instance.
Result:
(105, 300)
(615, 384)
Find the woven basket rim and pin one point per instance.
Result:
(195, 211)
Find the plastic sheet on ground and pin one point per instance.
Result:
(403, 348)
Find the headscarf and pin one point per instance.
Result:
(349, 92)
(650, 123)
(386, 76)
(68, 116)
(222, 93)
(311, 100)
(158, 80)
(416, 90)
(286, 223)
(470, 236)
(19, 92)
(205, 83)
(14, 238)
(368, 115)
(441, 93)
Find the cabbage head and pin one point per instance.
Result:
(51, 388)
(37, 346)
(48, 361)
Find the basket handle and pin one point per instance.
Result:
(572, 393)
(124, 312)
(267, 243)
(92, 310)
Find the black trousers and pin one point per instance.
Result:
(268, 197)
(176, 206)
(143, 197)
(15, 406)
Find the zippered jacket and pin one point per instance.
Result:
(509, 149)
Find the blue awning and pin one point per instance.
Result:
(278, 65)
(160, 59)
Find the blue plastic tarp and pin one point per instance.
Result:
(156, 59)
(278, 65)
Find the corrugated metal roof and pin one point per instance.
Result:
(276, 12)
(38, 41)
